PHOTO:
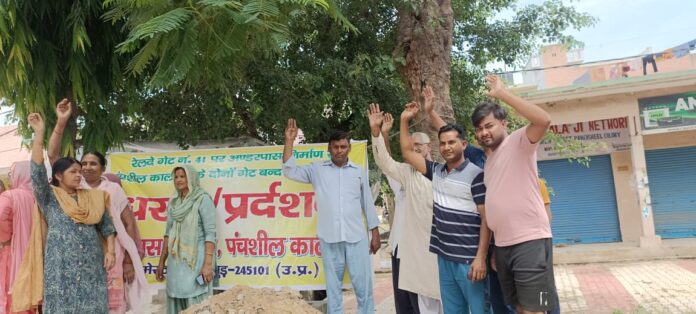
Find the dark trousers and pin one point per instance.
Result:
(495, 296)
(649, 59)
(406, 302)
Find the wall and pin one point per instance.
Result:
(626, 197)
(670, 140)
(622, 104)
(588, 110)
(556, 55)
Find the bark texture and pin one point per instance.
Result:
(424, 41)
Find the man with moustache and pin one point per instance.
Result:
(459, 234)
(344, 202)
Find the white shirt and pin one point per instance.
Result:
(418, 266)
(398, 222)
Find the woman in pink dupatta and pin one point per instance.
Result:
(128, 287)
(15, 228)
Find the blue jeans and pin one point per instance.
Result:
(459, 294)
(336, 256)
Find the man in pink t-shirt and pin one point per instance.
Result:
(515, 210)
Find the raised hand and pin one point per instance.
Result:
(429, 99)
(63, 110)
(388, 123)
(495, 86)
(291, 130)
(375, 117)
(410, 111)
(36, 122)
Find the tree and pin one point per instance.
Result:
(325, 75)
(51, 50)
(266, 60)
(194, 42)
(112, 57)
(319, 75)
(201, 52)
(174, 115)
(428, 30)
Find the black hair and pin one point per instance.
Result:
(486, 108)
(339, 135)
(100, 156)
(178, 168)
(452, 127)
(60, 166)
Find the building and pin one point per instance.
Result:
(639, 186)
(555, 66)
(12, 147)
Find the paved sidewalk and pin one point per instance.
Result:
(657, 286)
(664, 286)
(660, 286)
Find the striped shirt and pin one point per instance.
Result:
(456, 221)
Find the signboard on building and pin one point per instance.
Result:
(668, 113)
(596, 137)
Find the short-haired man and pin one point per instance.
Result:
(459, 234)
(344, 202)
(516, 212)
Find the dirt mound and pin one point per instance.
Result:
(246, 300)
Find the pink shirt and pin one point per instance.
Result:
(514, 208)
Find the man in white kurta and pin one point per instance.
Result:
(418, 267)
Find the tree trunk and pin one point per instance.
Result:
(247, 119)
(425, 43)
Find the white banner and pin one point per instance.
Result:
(602, 137)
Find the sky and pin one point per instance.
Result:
(627, 28)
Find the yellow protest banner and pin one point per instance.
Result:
(266, 223)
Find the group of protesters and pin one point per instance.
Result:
(469, 235)
(70, 243)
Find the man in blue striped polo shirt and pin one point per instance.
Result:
(459, 235)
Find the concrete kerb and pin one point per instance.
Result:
(593, 253)
(623, 252)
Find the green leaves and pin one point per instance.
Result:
(146, 69)
(50, 50)
(187, 42)
(481, 37)
(263, 8)
(164, 23)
